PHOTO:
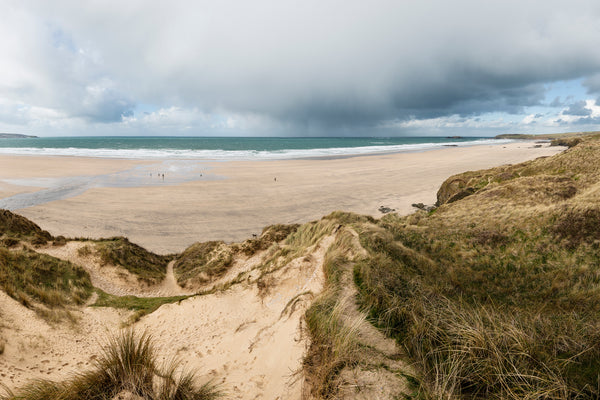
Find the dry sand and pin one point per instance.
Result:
(168, 218)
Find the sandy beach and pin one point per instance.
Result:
(233, 200)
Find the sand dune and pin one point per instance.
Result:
(229, 336)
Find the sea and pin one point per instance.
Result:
(228, 148)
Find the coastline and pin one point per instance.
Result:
(168, 217)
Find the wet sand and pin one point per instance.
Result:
(231, 200)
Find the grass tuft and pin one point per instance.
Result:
(33, 278)
(20, 227)
(128, 364)
(119, 251)
(203, 262)
(270, 235)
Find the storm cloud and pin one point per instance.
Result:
(297, 67)
(578, 109)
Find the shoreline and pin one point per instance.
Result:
(282, 154)
(168, 218)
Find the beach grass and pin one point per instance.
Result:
(36, 279)
(146, 266)
(128, 366)
(202, 262)
(14, 227)
(496, 293)
(344, 359)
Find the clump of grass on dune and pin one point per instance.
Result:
(334, 345)
(127, 365)
(270, 235)
(296, 244)
(32, 278)
(14, 227)
(203, 262)
(147, 266)
(496, 295)
(310, 233)
(477, 351)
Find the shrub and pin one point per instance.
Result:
(10, 242)
(59, 241)
(578, 226)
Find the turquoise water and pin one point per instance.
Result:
(219, 148)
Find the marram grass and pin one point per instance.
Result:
(127, 364)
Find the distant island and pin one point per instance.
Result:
(14, 136)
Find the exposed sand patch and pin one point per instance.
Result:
(36, 350)
(251, 342)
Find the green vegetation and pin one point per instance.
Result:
(31, 278)
(341, 344)
(128, 366)
(550, 136)
(141, 305)
(270, 235)
(334, 344)
(202, 262)
(14, 227)
(496, 294)
(119, 251)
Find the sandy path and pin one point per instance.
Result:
(114, 280)
(169, 218)
(252, 344)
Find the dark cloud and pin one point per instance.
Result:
(578, 109)
(104, 106)
(309, 66)
(587, 121)
(592, 84)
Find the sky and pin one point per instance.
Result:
(299, 68)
